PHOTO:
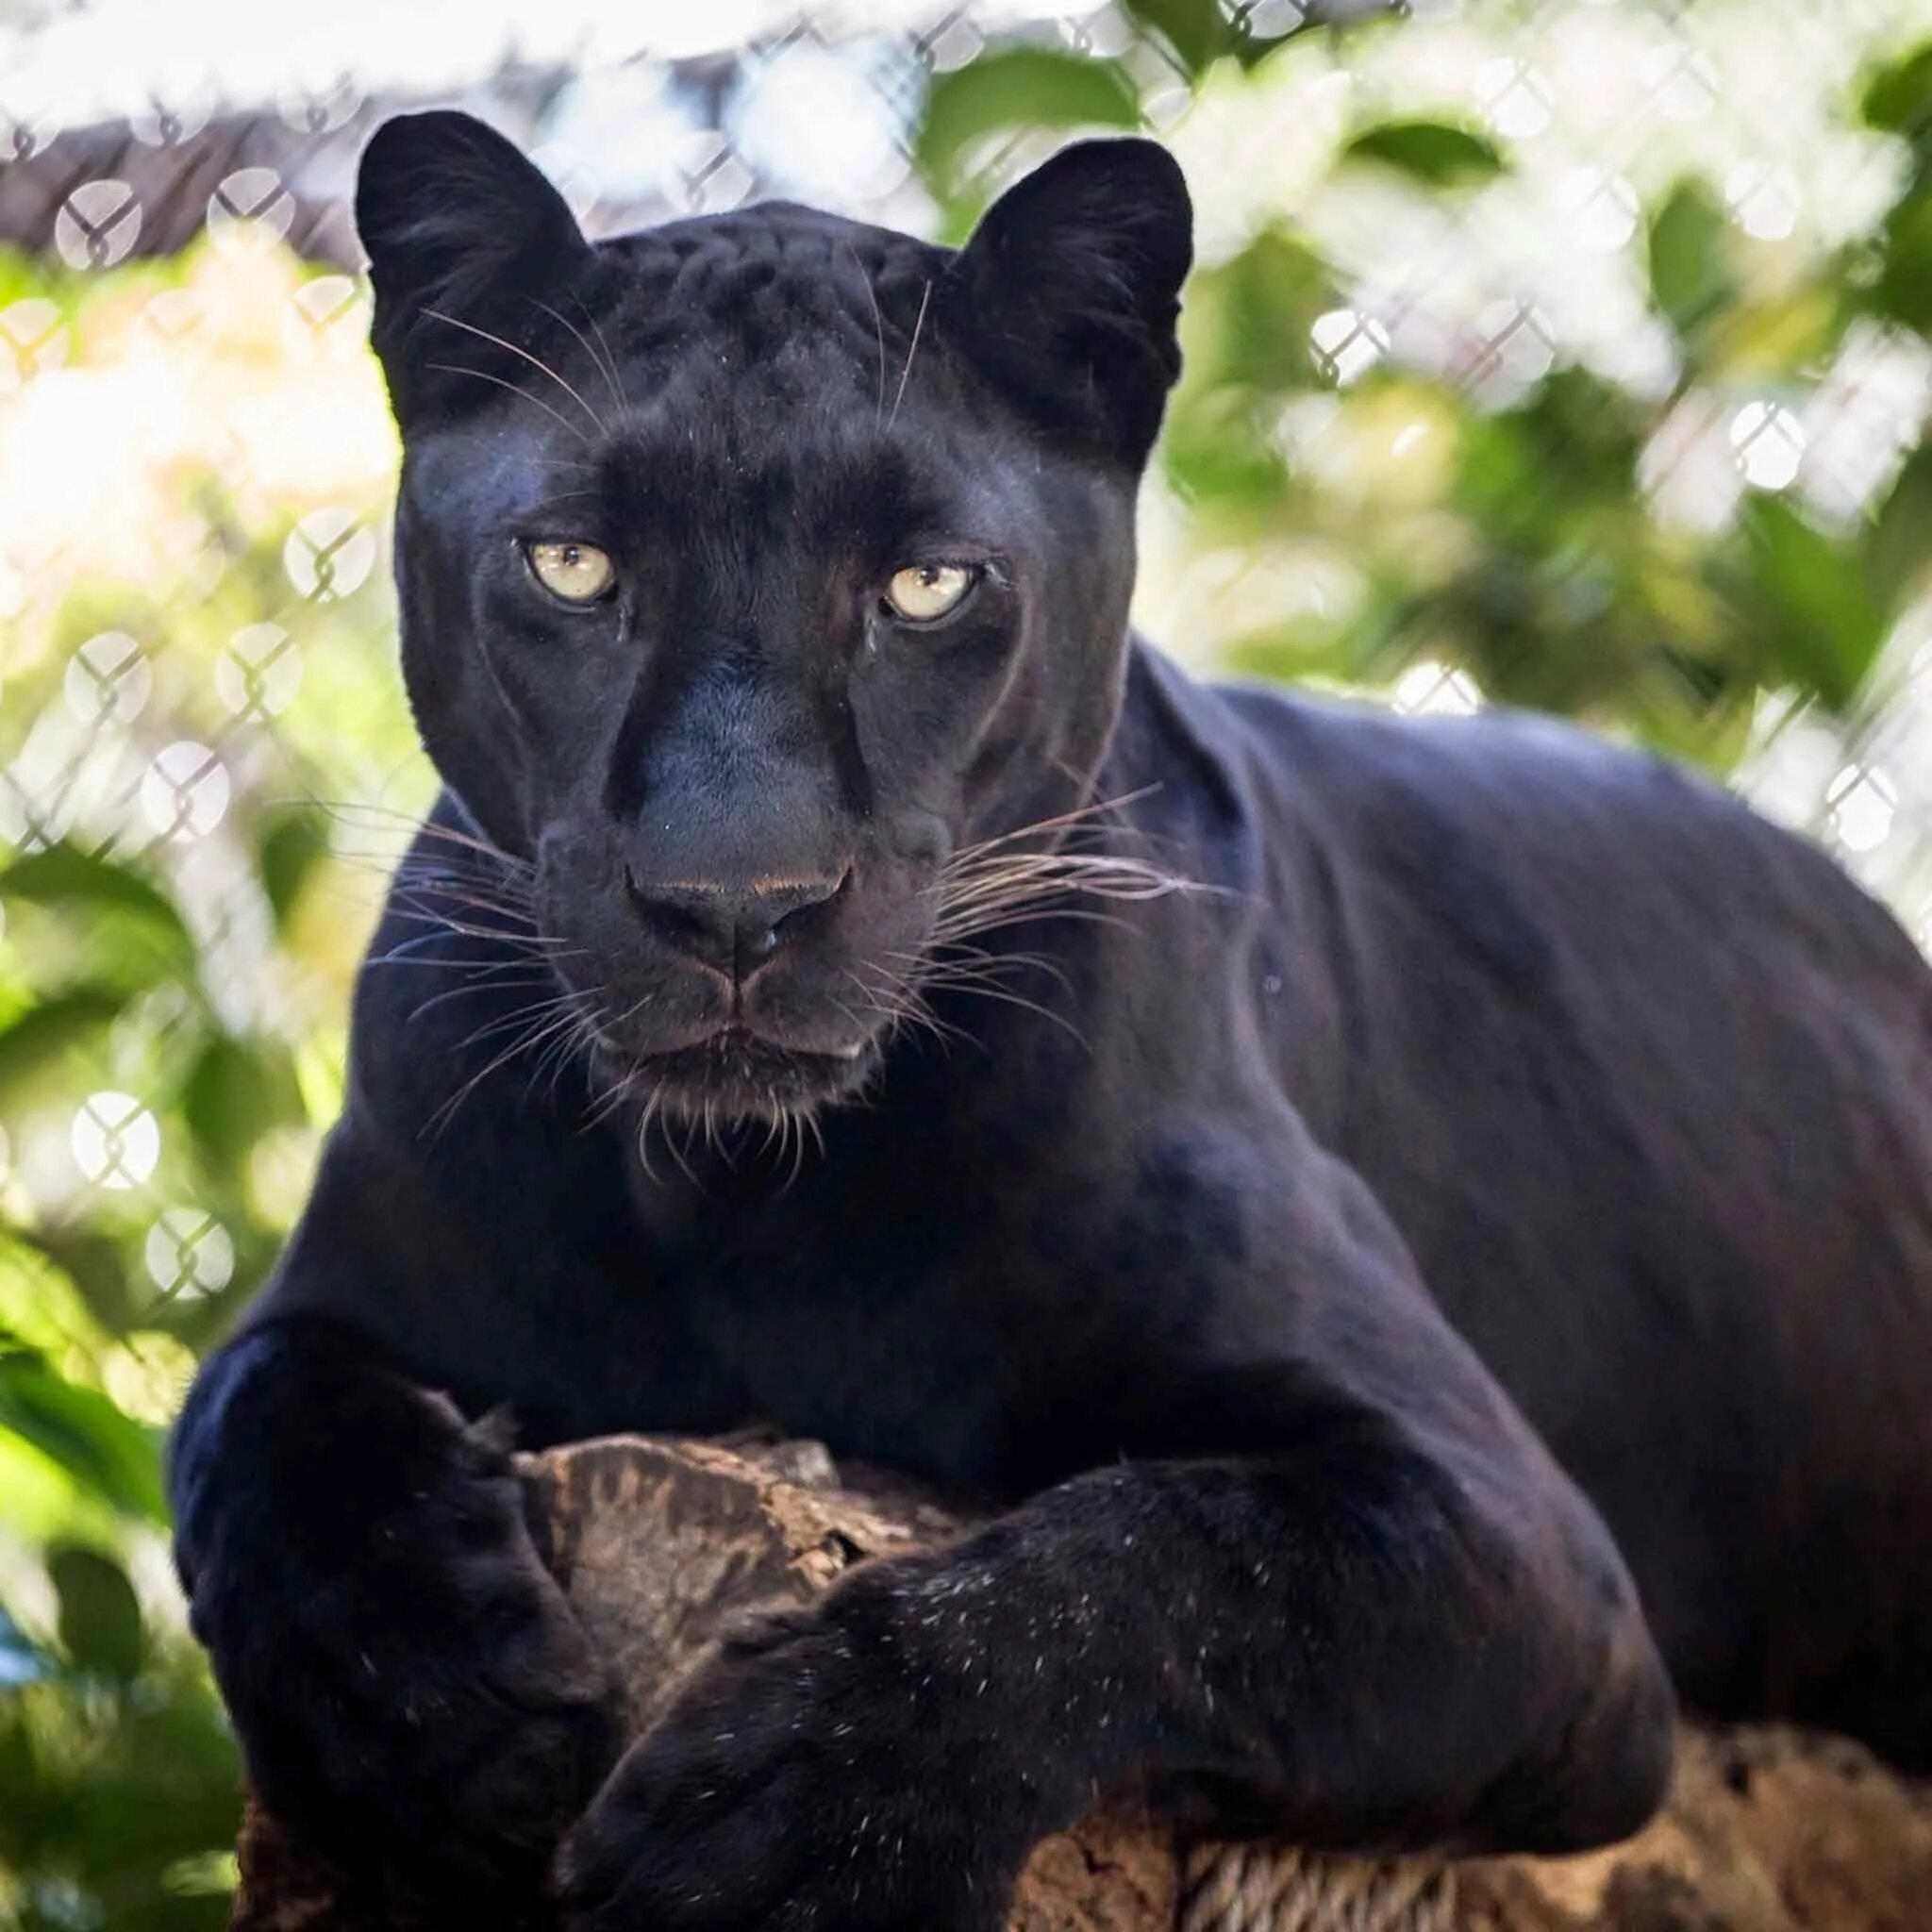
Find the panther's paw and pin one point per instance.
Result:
(435, 1701)
(814, 1776)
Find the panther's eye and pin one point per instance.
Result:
(925, 592)
(577, 573)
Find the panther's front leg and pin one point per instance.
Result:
(407, 1680)
(1383, 1618)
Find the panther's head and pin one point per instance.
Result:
(756, 570)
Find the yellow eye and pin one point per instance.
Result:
(577, 573)
(925, 592)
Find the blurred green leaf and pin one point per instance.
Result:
(1902, 291)
(1814, 599)
(1435, 153)
(1247, 320)
(115, 1459)
(1218, 453)
(99, 925)
(1195, 30)
(1691, 276)
(60, 1023)
(76, 882)
(291, 846)
(100, 1618)
(94, 1263)
(1534, 473)
(1897, 98)
(1016, 87)
(235, 1095)
(165, 1911)
(1245, 348)
(25, 1804)
(133, 1803)
(170, 1789)
(1900, 544)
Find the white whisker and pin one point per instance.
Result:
(905, 374)
(535, 362)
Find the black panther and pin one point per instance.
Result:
(1419, 1231)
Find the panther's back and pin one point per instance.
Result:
(1647, 1085)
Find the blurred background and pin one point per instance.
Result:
(1574, 354)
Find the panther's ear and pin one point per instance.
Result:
(457, 223)
(1068, 290)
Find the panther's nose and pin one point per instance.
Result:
(732, 927)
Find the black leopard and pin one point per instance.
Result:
(1419, 1231)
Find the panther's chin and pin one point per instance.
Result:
(735, 1074)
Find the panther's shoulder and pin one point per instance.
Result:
(1535, 809)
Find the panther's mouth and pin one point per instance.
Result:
(736, 1073)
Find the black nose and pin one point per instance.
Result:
(734, 927)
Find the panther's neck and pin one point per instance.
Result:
(1175, 753)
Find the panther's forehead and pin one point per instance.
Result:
(768, 285)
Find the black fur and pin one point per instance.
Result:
(1457, 1249)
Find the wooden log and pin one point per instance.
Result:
(661, 1545)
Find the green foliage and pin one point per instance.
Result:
(1015, 88)
(293, 848)
(78, 1428)
(1816, 597)
(78, 882)
(1898, 97)
(236, 1093)
(40, 1035)
(1431, 152)
(100, 1619)
(1898, 550)
(1691, 278)
(1898, 101)
(118, 1801)
(1532, 551)
(119, 1785)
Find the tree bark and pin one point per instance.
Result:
(662, 1545)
